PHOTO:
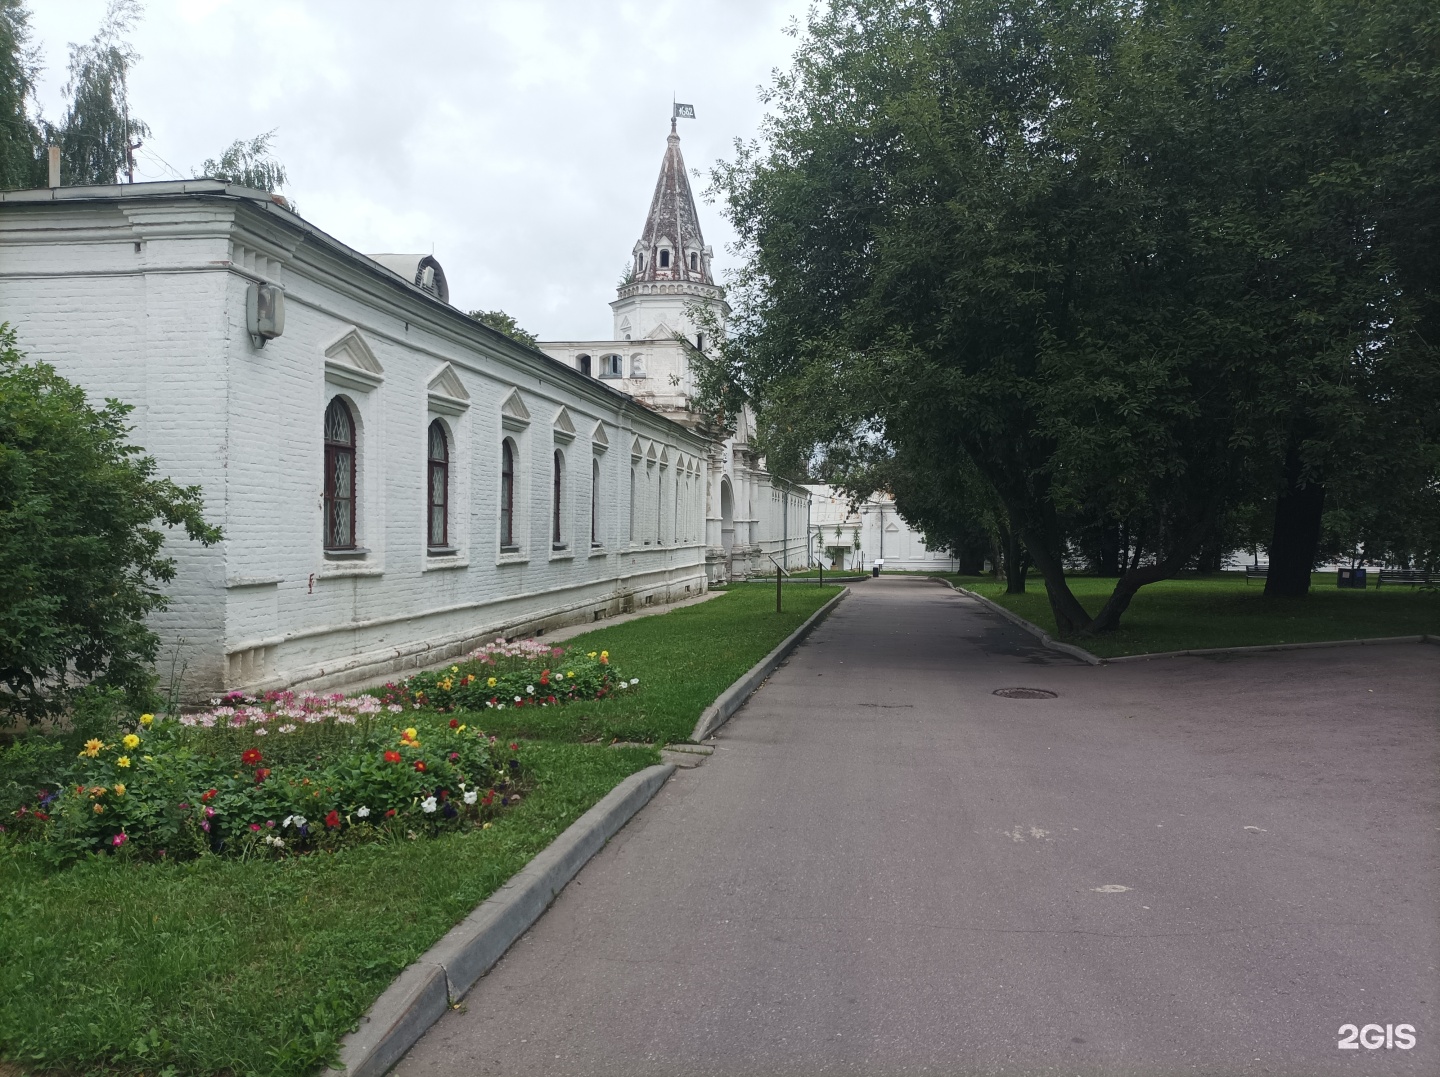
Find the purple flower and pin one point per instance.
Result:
(205, 827)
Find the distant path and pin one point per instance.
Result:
(886, 869)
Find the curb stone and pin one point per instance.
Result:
(1020, 622)
(731, 700)
(443, 974)
(1070, 649)
(1200, 651)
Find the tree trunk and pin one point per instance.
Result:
(1017, 564)
(1296, 539)
(1136, 577)
(1108, 563)
(1070, 616)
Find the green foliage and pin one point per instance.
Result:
(21, 152)
(1139, 265)
(503, 323)
(97, 132)
(248, 164)
(82, 557)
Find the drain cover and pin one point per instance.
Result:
(1025, 693)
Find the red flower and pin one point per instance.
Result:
(262, 774)
(454, 723)
(454, 756)
(487, 798)
(514, 747)
(544, 676)
(389, 813)
(333, 819)
(41, 815)
(251, 756)
(392, 757)
(420, 764)
(551, 699)
(209, 795)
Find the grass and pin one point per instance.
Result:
(684, 659)
(1222, 611)
(253, 968)
(261, 967)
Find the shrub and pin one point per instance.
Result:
(81, 554)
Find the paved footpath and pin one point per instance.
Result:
(1185, 866)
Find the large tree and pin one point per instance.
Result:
(20, 142)
(98, 133)
(1071, 243)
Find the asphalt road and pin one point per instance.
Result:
(1184, 866)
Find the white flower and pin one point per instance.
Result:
(287, 729)
(529, 689)
(517, 699)
(261, 731)
(471, 797)
(634, 680)
(363, 812)
(299, 821)
(288, 820)
(427, 805)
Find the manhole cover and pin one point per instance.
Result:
(1025, 693)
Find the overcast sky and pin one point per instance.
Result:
(520, 140)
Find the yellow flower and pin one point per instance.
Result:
(99, 809)
(410, 733)
(119, 789)
(604, 654)
(130, 740)
(461, 729)
(590, 655)
(146, 719)
(123, 761)
(92, 748)
(570, 673)
(454, 669)
(485, 826)
(490, 683)
(446, 684)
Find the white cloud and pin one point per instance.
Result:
(520, 139)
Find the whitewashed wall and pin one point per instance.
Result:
(139, 293)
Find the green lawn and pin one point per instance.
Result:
(225, 966)
(1222, 611)
(260, 967)
(684, 659)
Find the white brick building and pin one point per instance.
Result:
(380, 546)
(856, 537)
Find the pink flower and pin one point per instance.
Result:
(209, 813)
(205, 827)
(119, 840)
(254, 826)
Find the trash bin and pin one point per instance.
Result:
(1350, 577)
(875, 571)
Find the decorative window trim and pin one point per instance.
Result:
(446, 392)
(336, 448)
(563, 428)
(351, 364)
(506, 520)
(440, 464)
(514, 415)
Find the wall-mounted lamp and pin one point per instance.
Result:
(264, 313)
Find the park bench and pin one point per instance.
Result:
(1411, 577)
(1255, 572)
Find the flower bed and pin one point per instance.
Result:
(272, 777)
(525, 673)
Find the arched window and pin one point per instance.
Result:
(582, 363)
(339, 476)
(507, 494)
(659, 500)
(594, 503)
(694, 260)
(634, 481)
(557, 533)
(438, 475)
(664, 259)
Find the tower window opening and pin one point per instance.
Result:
(694, 260)
(664, 259)
(582, 363)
